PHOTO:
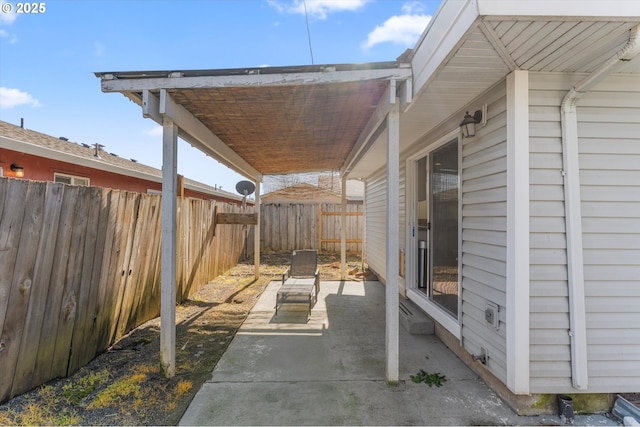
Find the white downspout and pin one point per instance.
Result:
(573, 214)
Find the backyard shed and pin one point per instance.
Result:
(520, 238)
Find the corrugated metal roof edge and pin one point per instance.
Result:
(254, 70)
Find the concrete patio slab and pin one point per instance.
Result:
(329, 370)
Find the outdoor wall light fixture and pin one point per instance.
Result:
(18, 170)
(469, 123)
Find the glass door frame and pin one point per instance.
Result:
(420, 298)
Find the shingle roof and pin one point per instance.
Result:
(87, 152)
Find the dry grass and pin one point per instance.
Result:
(124, 386)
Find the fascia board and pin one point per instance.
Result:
(36, 150)
(601, 10)
(443, 35)
(402, 72)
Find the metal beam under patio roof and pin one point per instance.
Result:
(271, 120)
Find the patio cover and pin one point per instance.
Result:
(271, 120)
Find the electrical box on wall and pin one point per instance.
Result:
(491, 315)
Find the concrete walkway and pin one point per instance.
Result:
(330, 371)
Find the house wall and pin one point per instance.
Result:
(609, 132)
(376, 223)
(484, 239)
(483, 206)
(42, 169)
(609, 144)
(550, 359)
(609, 147)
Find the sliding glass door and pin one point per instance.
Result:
(443, 226)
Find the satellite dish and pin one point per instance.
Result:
(245, 187)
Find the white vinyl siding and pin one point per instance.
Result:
(550, 367)
(609, 144)
(609, 137)
(376, 223)
(484, 210)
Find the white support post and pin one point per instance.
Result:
(256, 234)
(168, 269)
(343, 230)
(393, 246)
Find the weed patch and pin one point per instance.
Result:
(435, 379)
(75, 391)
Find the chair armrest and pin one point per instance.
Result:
(317, 276)
(285, 274)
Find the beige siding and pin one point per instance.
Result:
(376, 223)
(610, 189)
(484, 210)
(549, 341)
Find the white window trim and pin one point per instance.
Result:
(72, 177)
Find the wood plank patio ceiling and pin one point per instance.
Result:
(287, 128)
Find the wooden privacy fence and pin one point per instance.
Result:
(80, 267)
(290, 226)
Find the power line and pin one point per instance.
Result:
(306, 17)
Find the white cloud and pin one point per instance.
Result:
(413, 8)
(10, 98)
(317, 8)
(5, 34)
(400, 29)
(7, 18)
(156, 131)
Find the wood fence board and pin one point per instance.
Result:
(15, 292)
(182, 221)
(154, 300)
(150, 305)
(104, 244)
(68, 310)
(11, 217)
(110, 259)
(130, 265)
(30, 286)
(41, 281)
(140, 270)
(57, 284)
(88, 292)
(123, 240)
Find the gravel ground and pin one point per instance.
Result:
(124, 385)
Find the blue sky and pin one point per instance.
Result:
(47, 60)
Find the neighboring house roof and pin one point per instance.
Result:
(301, 193)
(27, 141)
(355, 188)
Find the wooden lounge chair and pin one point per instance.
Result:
(301, 281)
